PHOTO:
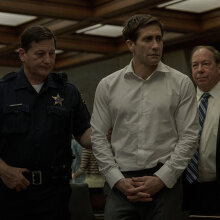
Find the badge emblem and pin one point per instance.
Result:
(58, 100)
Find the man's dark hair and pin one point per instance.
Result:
(35, 34)
(136, 22)
(215, 52)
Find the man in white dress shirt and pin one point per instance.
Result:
(152, 111)
(203, 195)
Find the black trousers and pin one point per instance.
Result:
(201, 198)
(44, 202)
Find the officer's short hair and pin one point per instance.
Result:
(215, 52)
(136, 22)
(35, 34)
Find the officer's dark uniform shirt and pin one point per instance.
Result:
(36, 128)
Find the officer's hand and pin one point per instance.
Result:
(13, 178)
(133, 193)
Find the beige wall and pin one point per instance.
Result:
(5, 69)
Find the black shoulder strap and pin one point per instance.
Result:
(8, 76)
(63, 77)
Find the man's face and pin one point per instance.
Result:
(148, 47)
(39, 59)
(205, 71)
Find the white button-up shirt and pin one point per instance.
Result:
(207, 149)
(153, 120)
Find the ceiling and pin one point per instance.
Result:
(187, 23)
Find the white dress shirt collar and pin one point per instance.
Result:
(214, 92)
(161, 68)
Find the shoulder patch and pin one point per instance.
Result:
(82, 98)
(8, 76)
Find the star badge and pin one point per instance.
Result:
(58, 100)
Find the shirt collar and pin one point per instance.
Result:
(22, 81)
(160, 68)
(51, 81)
(214, 92)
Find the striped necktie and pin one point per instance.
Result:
(192, 172)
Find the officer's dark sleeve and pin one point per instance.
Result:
(81, 116)
(1, 115)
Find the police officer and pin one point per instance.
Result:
(39, 112)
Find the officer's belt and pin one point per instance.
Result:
(39, 177)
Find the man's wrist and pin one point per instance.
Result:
(160, 182)
(3, 168)
(118, 184)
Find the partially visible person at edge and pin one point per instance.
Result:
(203, 195)
(39, 112)
(90, 168)
(77, 154)
(152, 111)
